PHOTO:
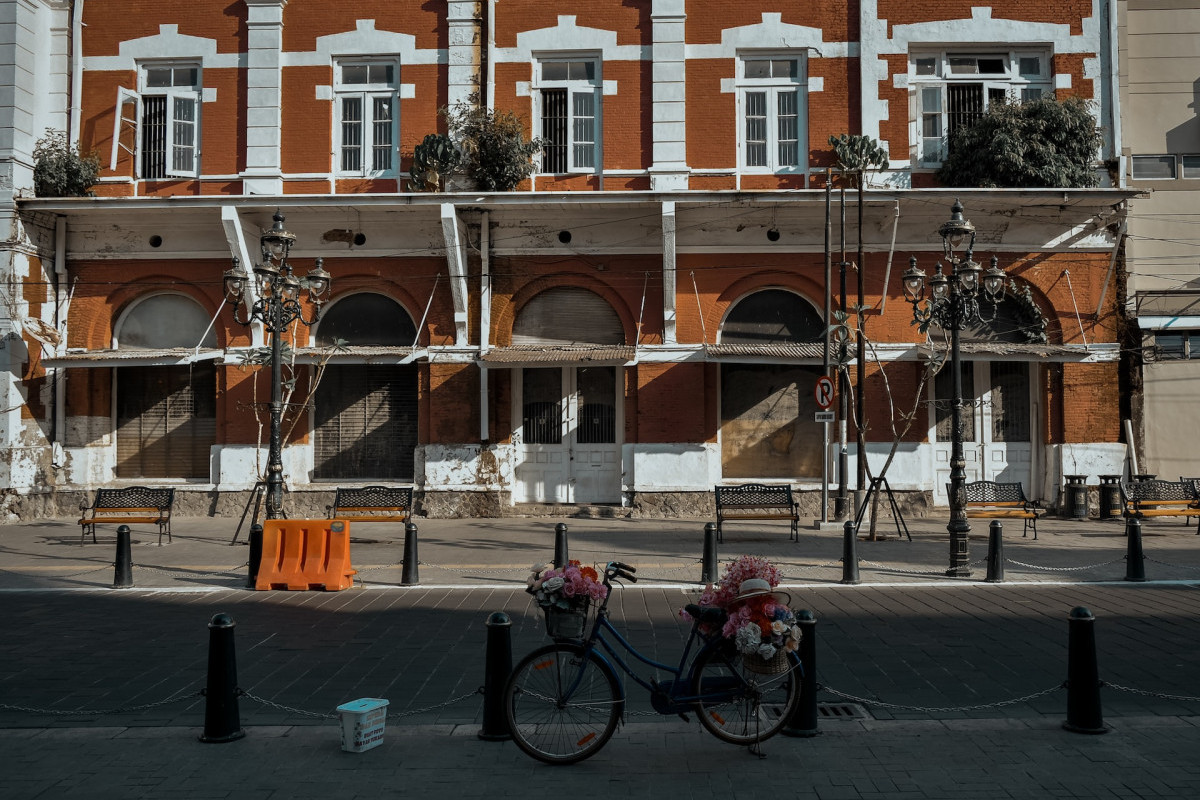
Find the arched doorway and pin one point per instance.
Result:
(166, 420)
(767, 408)
(365, 415)
(568, 416)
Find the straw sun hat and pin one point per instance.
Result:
(760, 587)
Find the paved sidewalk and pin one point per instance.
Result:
(951, 687)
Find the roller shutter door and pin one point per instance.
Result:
(166, 421)
(365, 423)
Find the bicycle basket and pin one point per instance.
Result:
(566, 623)
(774, 665)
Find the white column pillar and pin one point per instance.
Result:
(264, 97)
(463, 22)
(670, 170)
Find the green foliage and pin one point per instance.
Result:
(494, 149)
(858, 153)
(434, 159)
(1040, 143)
(59, 170)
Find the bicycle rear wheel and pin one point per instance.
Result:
(740, 706)
(562, 706)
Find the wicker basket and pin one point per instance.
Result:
(566, 623)
(775, 665)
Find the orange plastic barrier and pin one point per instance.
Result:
(301, 554)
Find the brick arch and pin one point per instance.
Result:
(804, 287)
(343, 287)
(505, 316)
(345, 296)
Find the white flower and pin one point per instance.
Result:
(796, 633)
(748, 638)
(553, 584)
(767, 651)
(778, 627)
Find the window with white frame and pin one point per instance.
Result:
(1165, 167)
(158, 124)
(366, 119)
(568, 104)
(954, 89)
(772, 113)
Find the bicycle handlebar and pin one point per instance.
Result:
(616, 569)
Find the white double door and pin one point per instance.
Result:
(998, 424)
(567, 434)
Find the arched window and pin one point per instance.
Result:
(367, 318)
(166, 415)
(565, 316)
(165, 321)
(767, 409)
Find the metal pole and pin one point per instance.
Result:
(1135, 561)
(560, 545)
(410, 575)
(825, 338)
(860, 356)
(497, 666)
(849, 553)
(842, 504)
(958, 526)
(803, 721)
(1084, 713)
(995, 560)
(123, 572)
(221, 720)
(275, 456)
(708, 566)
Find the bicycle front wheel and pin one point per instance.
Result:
(562, 706)
(740, 706)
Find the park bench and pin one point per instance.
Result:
(754, 501)
(992, 500)
(372, 504)
(128, 505)
(1158, 498)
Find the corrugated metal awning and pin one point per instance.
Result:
(807, 351)
(1018, 352)
(132, 358)
(576, 354)
(361, 354)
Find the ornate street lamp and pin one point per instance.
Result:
(952, 303)
(277, 307)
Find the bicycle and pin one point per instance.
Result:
(564, 701)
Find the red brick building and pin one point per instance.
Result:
(642, 319)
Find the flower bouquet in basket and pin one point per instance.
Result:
(565, 594)
(760, 625)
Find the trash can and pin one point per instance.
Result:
(363, 722)
(1076, 496)
(1110, 497)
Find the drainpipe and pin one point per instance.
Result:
(485, 321)
(490, 89)
(76, 109)
(59, 380)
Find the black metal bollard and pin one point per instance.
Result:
(1135, 562)
(497, 666)
(1083, 675)
(995, 559)
(256, 545)
(123, 572)
(560, 545)
(221, 720)
(410, 576)
(849, 553)
(708, 567)
(803, 721)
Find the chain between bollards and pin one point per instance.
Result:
(849, 554)
(497, 666)
(123, 572)
(708, 567)
(560, 545)
(410, 575)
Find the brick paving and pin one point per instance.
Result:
(920, 650)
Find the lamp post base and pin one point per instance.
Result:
(959, 555)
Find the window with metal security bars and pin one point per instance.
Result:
(1010, 408)
(954, 90)
(597, 390)
(367, 127)
(365, 423)
(541, 408)
(166, 421)
(772, 121)
(943, 389)
(569, 110)
(159, 124)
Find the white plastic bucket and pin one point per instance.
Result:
(363, 721)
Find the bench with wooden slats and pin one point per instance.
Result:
(1159, 498)
(996, 500)
(129, 505)
(372, 504)
(756, 501)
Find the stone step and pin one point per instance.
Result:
(568, 511)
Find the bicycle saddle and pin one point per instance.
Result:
(706, 615)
